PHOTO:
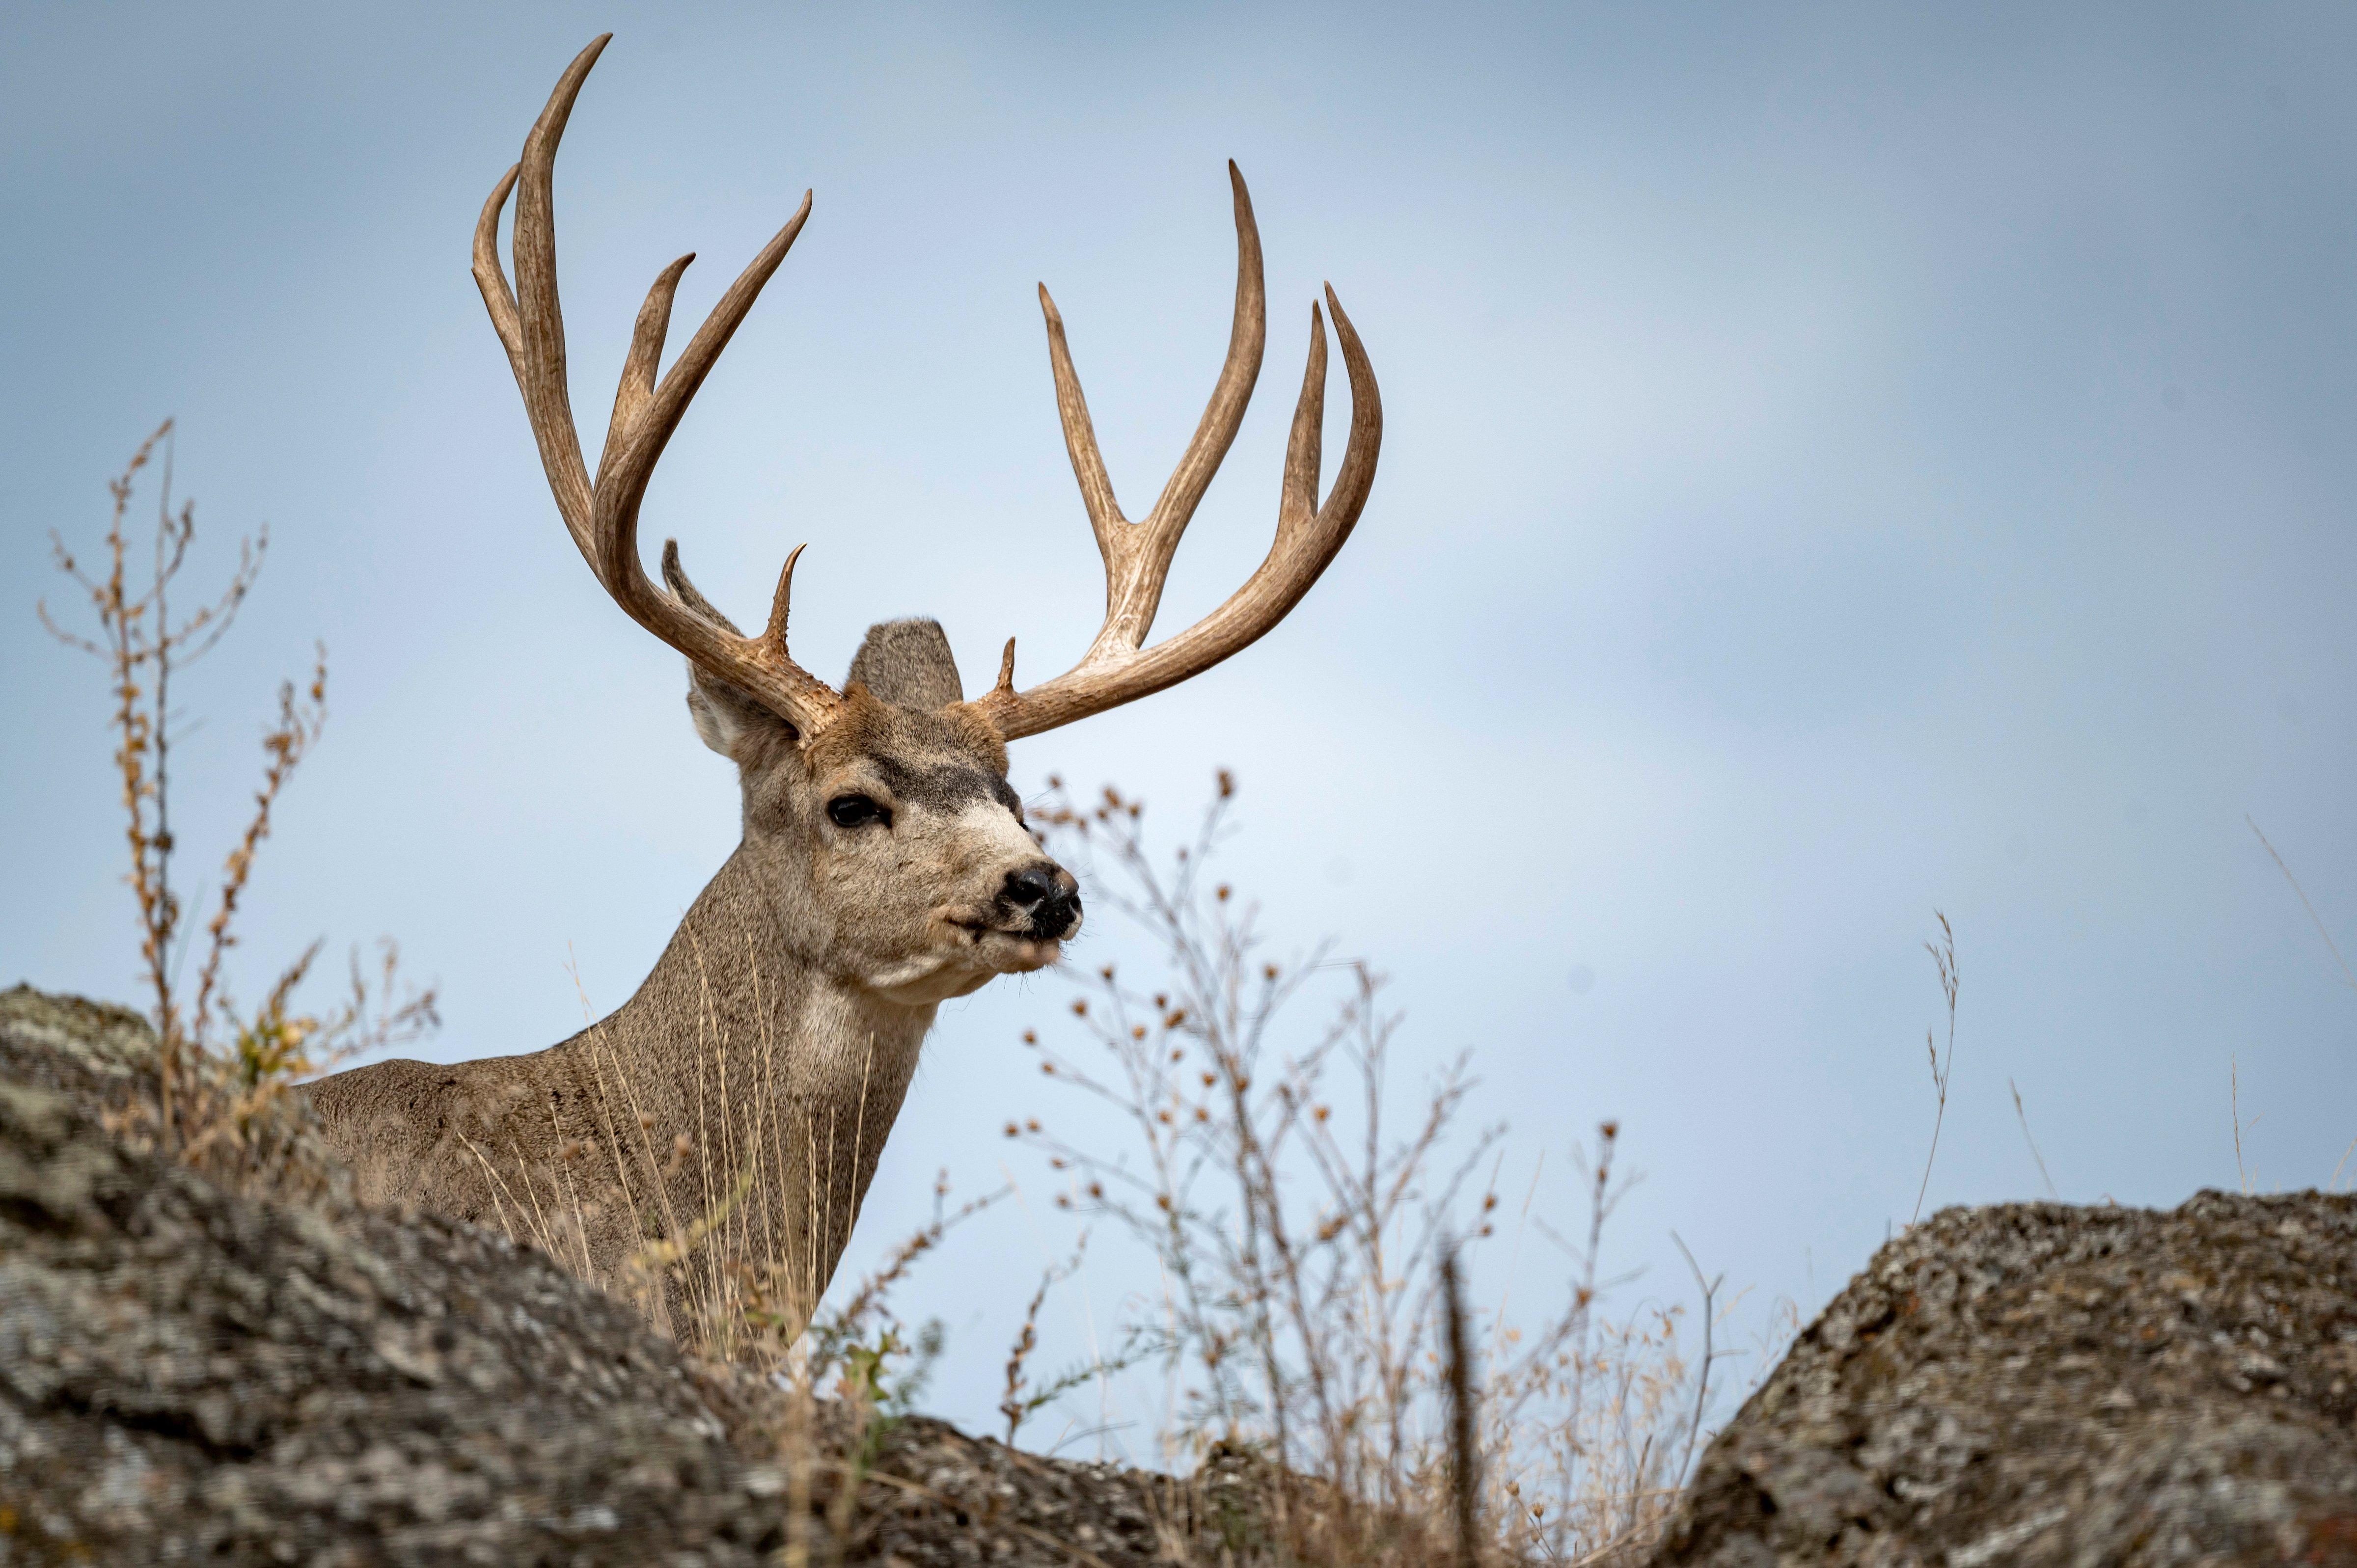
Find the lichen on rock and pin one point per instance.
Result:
(2038, 1384)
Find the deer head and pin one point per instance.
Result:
(881, 812)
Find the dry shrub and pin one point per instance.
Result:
(1305, 1239)
(217, 1094)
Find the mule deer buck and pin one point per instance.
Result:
(737, 1102)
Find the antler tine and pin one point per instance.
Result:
(670, 400)
(1304, 444)
(675, 578)
(603, 518)
(491, 278)
(540, 368)
(1224, 416)
(637, 387)
(1356, 478)
(1138, 558)
(761, 665)
(1307, 538)
(1080, 440)
(774, 634)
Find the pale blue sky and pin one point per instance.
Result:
(1841, 461)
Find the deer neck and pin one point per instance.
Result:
(784, 1080)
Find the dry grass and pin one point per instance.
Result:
(1943, 954)
(1304, 1238)
(723, 1283)
(222, 1073)
(2346, 977)
(715, 1272)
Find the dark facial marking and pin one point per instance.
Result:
(944, 788)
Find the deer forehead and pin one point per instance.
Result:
(937, 758)
(865, 727)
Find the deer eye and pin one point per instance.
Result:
(855, 810)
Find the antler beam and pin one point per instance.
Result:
(1118, 668)
(603, 517)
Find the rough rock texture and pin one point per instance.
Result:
(103, 1059)
(189, 1373)
(2038, 1384)
(937, 1497)
(93, 1051)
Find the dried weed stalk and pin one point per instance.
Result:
(1943, 954)
(1303, 1242)
(220, 1074)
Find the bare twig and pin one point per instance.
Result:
(1709, 1290)
(2023, 1116)
(1303, 1235)
(1943, 954)
(217, 1076)
(2314, 919)
(1013, 1405)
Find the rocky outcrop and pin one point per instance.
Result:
(94, 1052)
(186, 1375)
(193, 1368)
(2035, 1384)
(193, 1373)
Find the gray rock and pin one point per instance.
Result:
(69, 1043)
(103, 1059)
(190, 1369)
(2035, 1384)
(193, 1371)
(187, 1374)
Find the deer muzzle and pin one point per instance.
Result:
(1046, 896)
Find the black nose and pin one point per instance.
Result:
(1031, 886)
(1047, 893)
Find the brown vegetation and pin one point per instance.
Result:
(220, 1074)
(1305, 1240)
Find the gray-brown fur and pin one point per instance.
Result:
(778, 1032)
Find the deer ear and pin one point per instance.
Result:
(908, 664)
(722, 712)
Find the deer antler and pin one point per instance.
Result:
(1118, 668)
(603, 518)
